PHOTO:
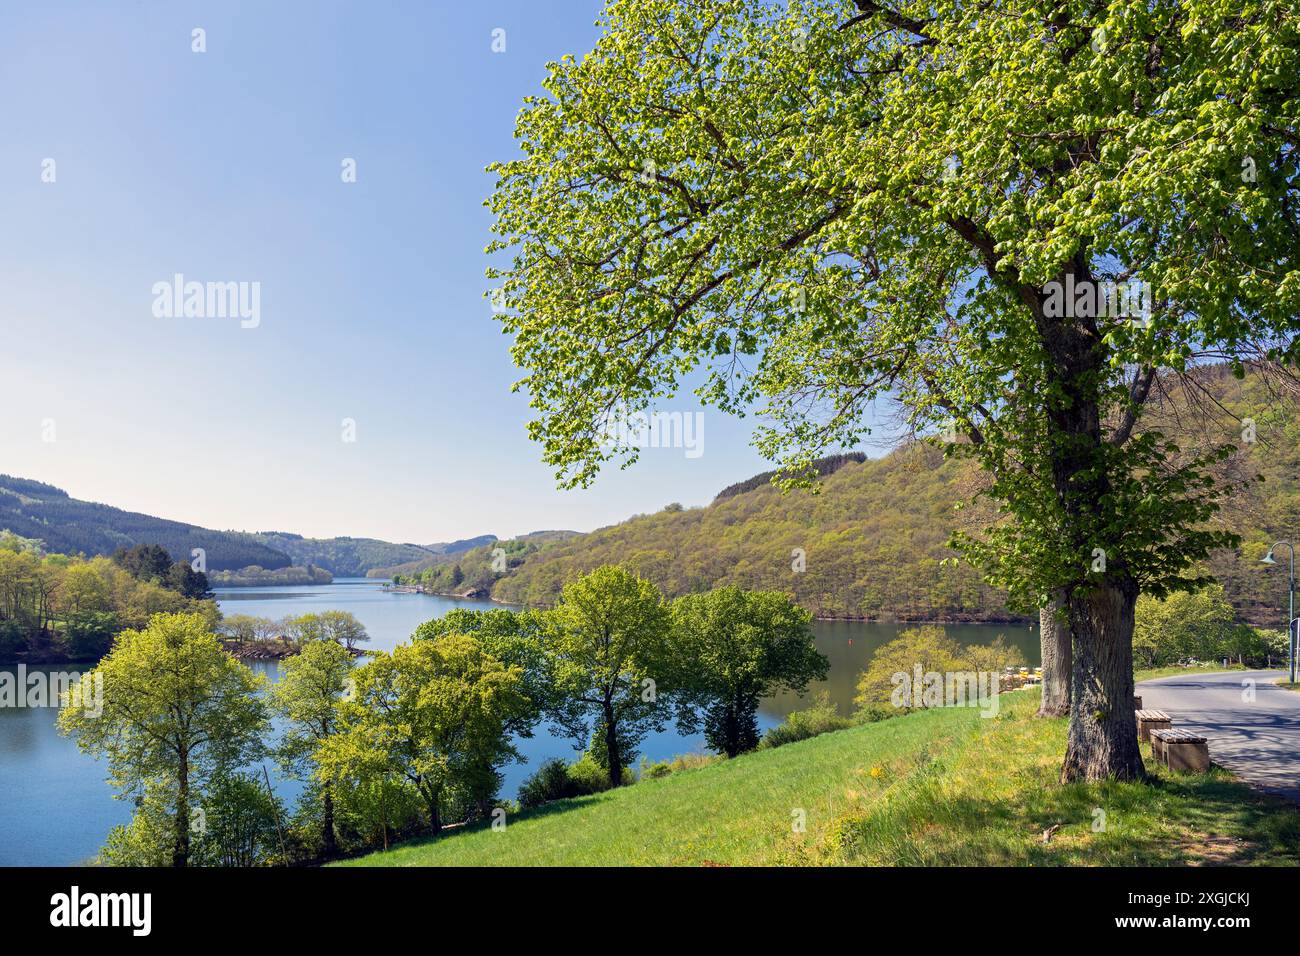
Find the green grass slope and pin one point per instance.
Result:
(932, 788)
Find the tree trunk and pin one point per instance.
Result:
(1103, 740)
(435, 818)
(612, 753)
(181, 845)
(1054, 639)
(1103, 734)
(731, 732)
(327, 826)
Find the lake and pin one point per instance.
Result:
(56, 807)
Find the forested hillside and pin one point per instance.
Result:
(870, 544)
(874, 538)
(342, 557)
(433, 554)
(66, 525)
(32, 509)
(474, 572)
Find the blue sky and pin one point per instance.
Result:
(225, 166)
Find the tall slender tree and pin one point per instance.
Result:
(608, 650)
(311, 686)
(731, 648)
(173, 707)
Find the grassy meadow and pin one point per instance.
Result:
(938, 787)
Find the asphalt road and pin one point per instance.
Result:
(1258, 739)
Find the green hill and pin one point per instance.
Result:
(67, 525)
(474, 572)
(33, 509)
(936, 787)
(874, 538)
(342, 557)
(433, 554)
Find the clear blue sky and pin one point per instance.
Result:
(225, 166)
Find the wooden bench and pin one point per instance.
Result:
(1181, 750)
(1149, 720)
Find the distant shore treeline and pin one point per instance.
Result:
(255, 576)
(67, 525)
(56, 608)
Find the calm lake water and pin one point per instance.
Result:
(56, 806)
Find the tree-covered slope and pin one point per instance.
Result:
(870, 544)
(32, 509)
(342, 557)
(874, 538)
(431, 555)
(70, 526)
(473, 573)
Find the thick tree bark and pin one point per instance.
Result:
(732, 732)
(327, 826)
(181, 845)
(612, 753)
(1054, 639)
(1103, 734)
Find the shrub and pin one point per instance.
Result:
(557, 780)
(589, 776)
(928, 646)
(549, 782)
(664, 768)
(872, 713)
(90, 634)
(822, 717)
(12, 639)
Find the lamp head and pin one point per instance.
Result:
(1268, 558)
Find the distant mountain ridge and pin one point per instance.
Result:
(34, 509)
(343, 557)
(68, 525)
(451, 552)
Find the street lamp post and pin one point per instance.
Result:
(1290, 640)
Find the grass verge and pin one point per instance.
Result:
(939, 787)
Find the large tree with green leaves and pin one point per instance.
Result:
(433, 712)
(312, 684)
(730, 649)
(515, 638)
(608, 646)
(177, 712)
(804, 206)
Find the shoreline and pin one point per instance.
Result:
(277, 649)
(851, 619)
